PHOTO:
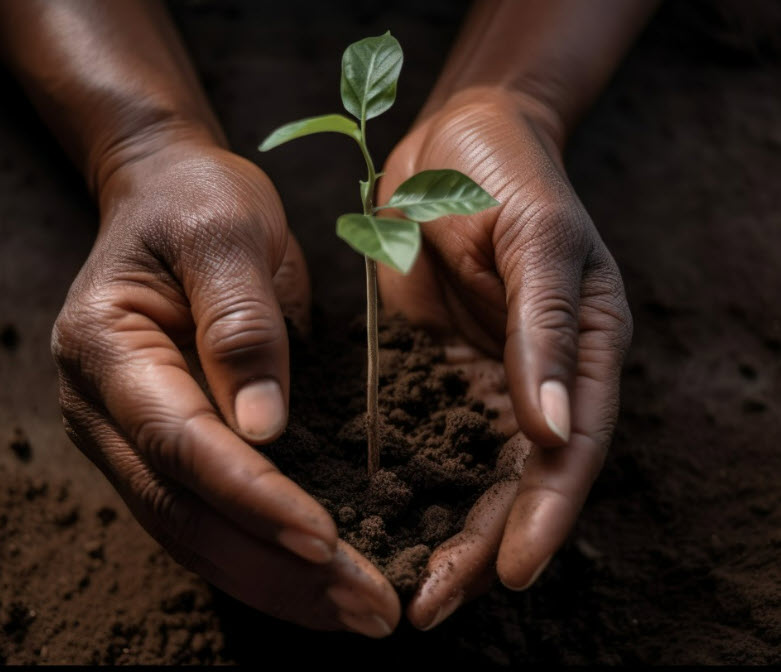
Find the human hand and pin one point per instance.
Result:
(194, 252)
(530, 281)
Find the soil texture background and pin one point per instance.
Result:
(676, 556)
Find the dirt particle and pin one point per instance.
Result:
(346, 515)
(389, 496)
(66, 516)
(406, 567)
(181, 599)
(374, 538)
(752, 406)
(436, 523)
(20, 446)
(106, 515)
(94, 549)
(774, 345)
(747, 371)
(9, 337)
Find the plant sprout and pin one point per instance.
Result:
(370, 72)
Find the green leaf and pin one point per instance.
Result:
(394, 242)
(328, 123)
(370, 71)
(435, 193)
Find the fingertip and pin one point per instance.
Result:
(444, 611)
(418, 613)
(436, 598)
(538, 524)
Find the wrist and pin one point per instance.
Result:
(148, 148)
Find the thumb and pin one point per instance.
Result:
(242, 340)
(542, 279)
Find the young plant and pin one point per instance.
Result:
(370, 72)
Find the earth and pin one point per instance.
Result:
(675, 558)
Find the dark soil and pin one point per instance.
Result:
(438, 449)
(676, 556)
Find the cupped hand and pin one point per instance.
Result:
(194, 254)
(530, 284)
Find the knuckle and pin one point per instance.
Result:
(72, 423)
(548, 229)
(626, 327)
(560, 342)
(65, 339)
(549, 313)
(162, 439)
(79, 333)
(606, 291)
(237, 327)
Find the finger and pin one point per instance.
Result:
(148, 391)
(348, 592)
(463, 566)
(542, 267)
(556, 482)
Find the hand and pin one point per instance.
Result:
(194, 250)
(529, 280)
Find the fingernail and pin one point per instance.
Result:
(445, 610)
(554, 400)
(535, 576)
(370, 625)
(260, 410)
(306, 546)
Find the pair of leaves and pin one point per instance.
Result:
(370, 72)
(423, 197)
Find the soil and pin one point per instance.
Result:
(676, 556)
(439, 451)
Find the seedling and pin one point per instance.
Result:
(370, 72)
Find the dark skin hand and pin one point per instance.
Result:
(194, 266)
(528, 296)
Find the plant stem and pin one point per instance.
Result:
(372, 376)
(373, 364)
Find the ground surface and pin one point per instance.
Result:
(675, 558)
